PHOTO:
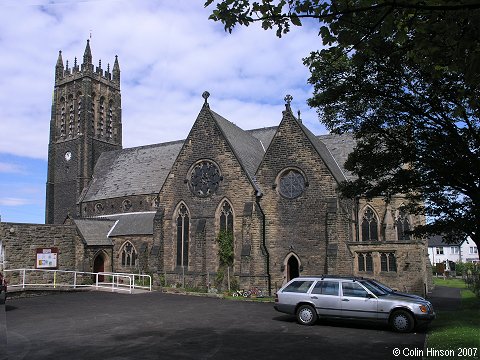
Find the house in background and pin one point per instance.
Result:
(441, 252)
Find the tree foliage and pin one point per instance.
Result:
(225, 248)
(403, 77)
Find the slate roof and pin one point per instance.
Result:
(325, 154)
(437, 240)
(132, 223)
(134, 171)
(340, 146)
(143, 170)
(248, 149)
(265, 135)
(95, 231)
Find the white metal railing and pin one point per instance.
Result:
(28, 278)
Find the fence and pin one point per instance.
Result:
(39, 278)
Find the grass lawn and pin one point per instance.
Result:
(456, 331)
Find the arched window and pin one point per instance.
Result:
(225, 236)
(183, 234)
(62, 118)
(226, 218)
(403, 227)
(110, 119)
(101, 116)
(79, 112)
(369, 225)
(129, 255)
(71, 115)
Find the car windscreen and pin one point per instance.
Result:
(373, 288)
(382, 286)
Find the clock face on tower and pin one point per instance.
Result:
(68, 156)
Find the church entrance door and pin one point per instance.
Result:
(99, 266)
(292, 268)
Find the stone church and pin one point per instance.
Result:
(161, 209)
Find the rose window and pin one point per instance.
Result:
(204, 178)
(292, 184)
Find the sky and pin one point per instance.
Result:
(169, 53)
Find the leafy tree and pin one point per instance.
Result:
(225, 248)
(403, 77)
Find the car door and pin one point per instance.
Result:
(326, 297)
(357, 302)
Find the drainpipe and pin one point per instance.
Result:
(258, 196)
(356, 209)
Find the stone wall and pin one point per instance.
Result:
(22, 240)
(310, 226)
(205, 141)
(142, 245)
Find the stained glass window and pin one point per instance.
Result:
(205, 178)
(365, 262)
(388, 262)
(292, 184)
(183, 234)
(403, 227)
(226, 218)
(369, 226)
(129, 255)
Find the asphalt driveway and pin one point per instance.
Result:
(102, 325)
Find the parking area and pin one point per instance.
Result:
(102, 325)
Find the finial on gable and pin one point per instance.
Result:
(288, 99)
(205, 95)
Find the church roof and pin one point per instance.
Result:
(95, 231)
(340, 146)
(143, 170)
(134, 171)
(132, 224)
(326, 155)
(265, 135)
(248, 149)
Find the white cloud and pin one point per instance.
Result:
(169, 53)
(13, 202)
(11, 168)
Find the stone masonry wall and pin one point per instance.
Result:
(205, 141)
(22, 240)
(308, 226)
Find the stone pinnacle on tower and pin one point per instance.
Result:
(116, 70)
(59, 66)
(87, 55)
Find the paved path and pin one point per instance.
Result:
(445, 298)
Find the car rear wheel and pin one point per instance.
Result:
(306, 315)
(402, 321)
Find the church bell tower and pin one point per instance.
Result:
(85, 121)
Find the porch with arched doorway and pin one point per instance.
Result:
(292, 266)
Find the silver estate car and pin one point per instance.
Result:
(351, 298)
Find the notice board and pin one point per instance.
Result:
(47, 258)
